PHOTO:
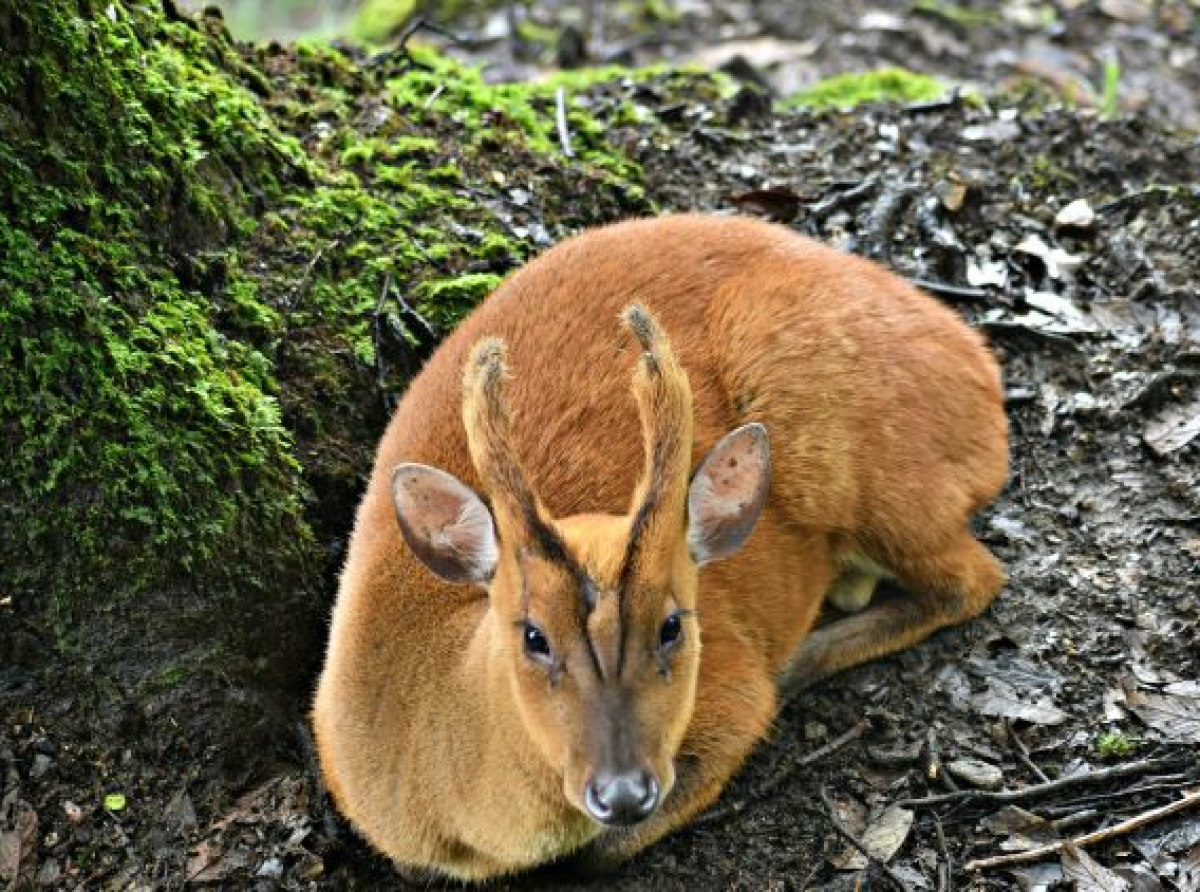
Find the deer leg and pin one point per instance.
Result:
(940, 590)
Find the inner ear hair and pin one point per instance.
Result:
(728, 493)
(444, 522)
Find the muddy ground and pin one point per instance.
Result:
(1091, 657)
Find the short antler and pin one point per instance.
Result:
(664, 399)
(489, 434)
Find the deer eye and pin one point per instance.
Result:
(537, 648)
(671, 631)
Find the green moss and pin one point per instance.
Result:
(883, 85)
(1115, 745)
(142, 444)
(377, 20)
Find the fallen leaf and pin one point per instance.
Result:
(1058, 263)
(883, 837)
(994, 131)
(1140, 878)
(1024, 830)
(1173, 429)
(976, 773)
(1002, 700)
(1039, 877)
(1088, 875)
(1189, 871)
(18, 840)
(1062, 308)
(1175, 716)
(1076, 215)
(115, 802)
(986, 272)
(1128, 11)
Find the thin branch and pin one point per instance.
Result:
(944, 289)
(844, 832)
(777, 779)
(1023, 753)
(1189, 800)
(1035, 791)
(564, 134)
(945, 866)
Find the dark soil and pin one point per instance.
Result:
(1099, 528)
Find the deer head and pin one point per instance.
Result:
(595, 615)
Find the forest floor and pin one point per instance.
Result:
(1072, 243)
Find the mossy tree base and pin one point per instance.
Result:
(220, 266)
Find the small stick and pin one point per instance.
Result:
(945, 867)
(945, 289)
(564, 134)
(301, 290)
(1075, 819)
(380, 362)
(844, 832)
(776, 780)
(1035, 790)
(1191, 798)
(1023, 753)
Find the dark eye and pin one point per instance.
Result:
(671, 631)
(536, 645)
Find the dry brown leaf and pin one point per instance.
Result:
(1176, 716)
(18, 840)
(1173, 429)
(1003, 701)
(1088, 875)
(883, 837)
(1024, 829)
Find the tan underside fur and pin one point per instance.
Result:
(887, 432)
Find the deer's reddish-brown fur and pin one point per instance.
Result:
(451, 748)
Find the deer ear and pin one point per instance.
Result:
(727, 494)
(445, 523)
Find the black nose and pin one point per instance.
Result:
(621, 799)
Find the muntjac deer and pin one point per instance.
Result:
(568, 613)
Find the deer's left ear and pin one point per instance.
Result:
(727, 494)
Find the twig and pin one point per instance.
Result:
(947, 290)
(301, 290)
(1163, 782)
(1023, 753)
(1074, 819)
(1189, 799)
(564, 134)
(844, 832)
(945, 867)
(438, 90)
(842, 195)
(380, 362)
(1037, 790)
(877, 231)
(772, 783)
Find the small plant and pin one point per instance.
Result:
(1115, 745)
(1110, 98)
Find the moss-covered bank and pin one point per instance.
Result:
(219, 264)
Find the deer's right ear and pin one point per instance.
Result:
(445, 523)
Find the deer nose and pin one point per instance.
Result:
(621, 799)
